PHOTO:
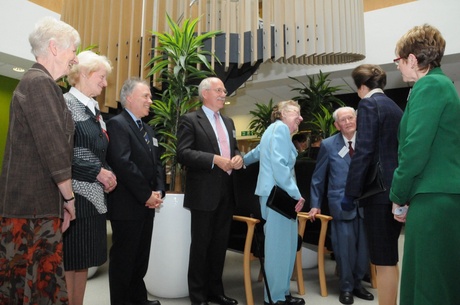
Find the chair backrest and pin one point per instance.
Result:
(247, 204)
(304, 169)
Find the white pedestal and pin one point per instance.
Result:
(309, 258)
(169, 254)
(91, 272)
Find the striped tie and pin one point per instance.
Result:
(143, 131)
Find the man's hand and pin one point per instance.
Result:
(154, 201)
(312, 213)
(237, 162)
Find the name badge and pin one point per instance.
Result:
(155, 142)
(343, 152)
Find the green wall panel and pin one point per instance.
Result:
(7, 86)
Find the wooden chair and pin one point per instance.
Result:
(303, 217)
(246, 219)
(248, 256)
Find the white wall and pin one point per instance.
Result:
(17, 20)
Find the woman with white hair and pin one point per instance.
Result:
(85, 241)
(36, 198)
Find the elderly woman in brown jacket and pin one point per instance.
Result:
(35, 184)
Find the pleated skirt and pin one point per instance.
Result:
(431, 261)
(85, 243)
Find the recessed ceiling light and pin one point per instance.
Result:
(18, 69)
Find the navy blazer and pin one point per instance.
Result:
(331, 168)
(196, 147)
(377, 127)
(137, 166)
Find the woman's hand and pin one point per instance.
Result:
(299, 205)
(108, 179)
(400, 212)
(69, 214)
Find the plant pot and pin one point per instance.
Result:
(169, 254)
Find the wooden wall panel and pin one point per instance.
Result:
(113, 27)
(147, 38)
(305, 31)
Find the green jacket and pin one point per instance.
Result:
(429, 140)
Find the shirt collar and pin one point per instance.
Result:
(373, 91)
(353, 139)
(87, 101)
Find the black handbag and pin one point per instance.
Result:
(280, 201)
(374, 181)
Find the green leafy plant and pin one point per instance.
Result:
(316, 97)
(261, 118)
(180, 63)
(324, 122)
(315, 93)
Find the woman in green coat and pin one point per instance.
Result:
(426, 183)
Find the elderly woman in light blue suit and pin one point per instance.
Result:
(277, 156)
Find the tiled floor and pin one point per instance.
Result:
(97, 291)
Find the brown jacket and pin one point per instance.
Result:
(39, 147)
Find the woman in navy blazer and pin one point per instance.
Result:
(277, 155)
(378, 121)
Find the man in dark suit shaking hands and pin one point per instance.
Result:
(134, 156)
(208, 149)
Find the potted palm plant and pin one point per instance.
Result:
(261, 118)
(317, 102)
(181, 62)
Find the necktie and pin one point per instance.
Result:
(351, 151)
(101, 122)
(222, 138)
(143, 131)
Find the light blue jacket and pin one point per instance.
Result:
(277, 156)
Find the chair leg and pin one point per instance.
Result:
(299, 272)
(373, 276)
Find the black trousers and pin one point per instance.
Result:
(209, 240)
(129, 260)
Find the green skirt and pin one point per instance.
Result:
(431, 261)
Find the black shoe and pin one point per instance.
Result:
(277, 303)
(154, 302)
(290, 300)
(362, 293)
(222, 300)
(201, 303)
(346, 297)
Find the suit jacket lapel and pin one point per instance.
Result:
(208, 130)
(339, 144)
(137, 133)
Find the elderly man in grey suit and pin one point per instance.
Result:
(347, 228)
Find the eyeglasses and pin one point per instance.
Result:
(396, 60)
(219, 90)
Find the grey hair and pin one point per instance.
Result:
(278, 109)
(205, 85)
(50, 29)
(89, 62)
(335, 113)
(128, 87)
